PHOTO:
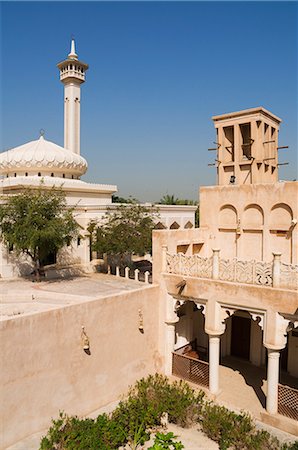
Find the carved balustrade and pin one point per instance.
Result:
(289, 276)
(249, 272)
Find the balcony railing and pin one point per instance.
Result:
(288, 401)
(190, 369)
(274, 274)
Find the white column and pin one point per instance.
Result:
(169, 345)
(215, 263)
(276, 269)
(214, 344)
(272, 381)
(164, 258)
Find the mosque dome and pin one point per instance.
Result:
(42, 157)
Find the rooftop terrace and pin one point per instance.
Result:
(22, 297)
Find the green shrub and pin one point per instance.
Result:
(131, 421)
(165, 441)
(155, 395)
(141, 411)
(235, 431)
(70, 433)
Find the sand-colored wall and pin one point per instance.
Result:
(44, 368)
(252, 221)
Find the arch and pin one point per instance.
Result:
(174, 226)
(280, 219)
(281, 216)
(188, 225)
(159, 226)
(228, 216)
(253, 216)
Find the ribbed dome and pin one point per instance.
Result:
(42, 156)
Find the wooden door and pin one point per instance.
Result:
(240, 343)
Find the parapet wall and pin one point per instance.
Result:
(45, 369)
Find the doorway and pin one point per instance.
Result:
(240, 341)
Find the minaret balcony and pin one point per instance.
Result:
(72, 74)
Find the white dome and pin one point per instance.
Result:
(42, 156)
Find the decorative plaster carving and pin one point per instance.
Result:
(201, 307)
(178, 305)
(289, 275)
(283, 327)
(225, 313)
(234, 270)
(259, 319)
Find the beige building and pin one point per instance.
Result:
(225, 290)
(230, 287)
(28, 164)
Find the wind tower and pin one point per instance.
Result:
(247, 147)
(72, 75)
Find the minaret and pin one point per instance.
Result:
(72, 75)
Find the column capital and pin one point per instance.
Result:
(274, 353)
(172, 321)
(214, 335)
(276, 254)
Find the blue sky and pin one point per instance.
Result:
(158, 72)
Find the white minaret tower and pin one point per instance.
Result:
(72, 75)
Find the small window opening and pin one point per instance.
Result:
(246, 140)
(39, 174)
(52, 174)
(229, 143)
(63, 176)
(26, 174)
(15, 174)
(79, 241)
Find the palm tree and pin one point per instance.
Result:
(169, 200)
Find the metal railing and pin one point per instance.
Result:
(288, 401)
(190, 369)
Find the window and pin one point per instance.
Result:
(246, 140)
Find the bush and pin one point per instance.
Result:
(155, 395)
(141, 412)
(235, 431)
(70, 433)
(165, 441)
(132, 420)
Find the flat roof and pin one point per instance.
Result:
(245, 112)
(23, 297)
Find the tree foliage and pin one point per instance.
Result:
(172, 200)
(117, 199)
(37, 222)
(125, 230)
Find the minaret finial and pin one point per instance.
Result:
(72, 54)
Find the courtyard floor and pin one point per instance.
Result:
(243, 386)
